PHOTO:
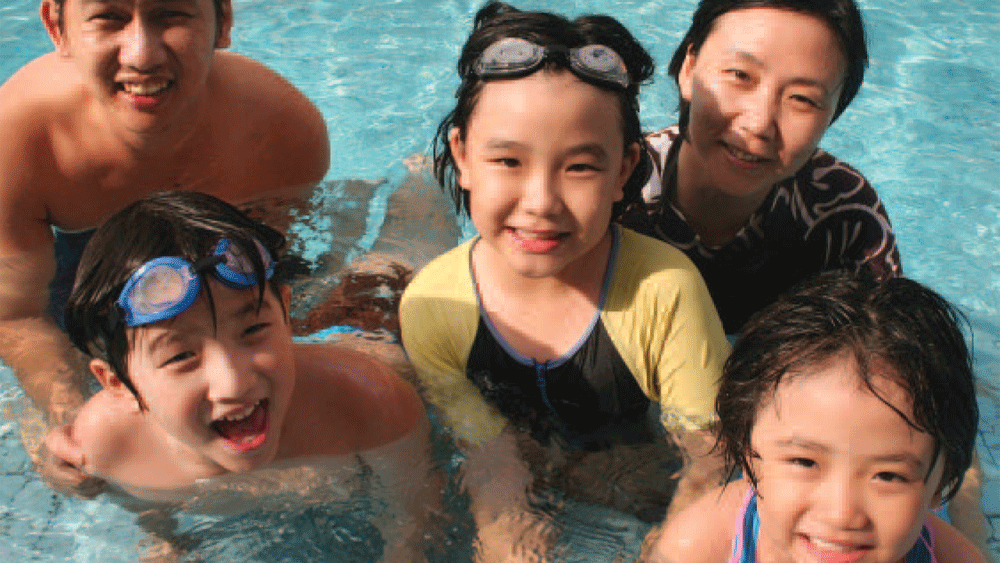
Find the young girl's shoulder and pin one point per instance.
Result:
(703, 531)
(951, 545)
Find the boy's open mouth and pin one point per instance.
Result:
(246, 430)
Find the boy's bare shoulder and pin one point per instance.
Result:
(703, 531)
(370, 395)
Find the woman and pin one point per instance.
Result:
(739, 184)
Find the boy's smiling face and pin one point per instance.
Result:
(223, 388)
(841, 476)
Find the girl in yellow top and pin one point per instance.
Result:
(552, 323)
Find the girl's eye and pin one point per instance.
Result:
(107, 17)
(802, 462)
(506, 162)
(582, 167)
(890, 477)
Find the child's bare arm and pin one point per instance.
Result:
(702, 531)
(950, 545)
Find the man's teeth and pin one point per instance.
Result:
(240, 414)
(146, 88)
(743, 155)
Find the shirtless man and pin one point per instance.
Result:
(135, 99)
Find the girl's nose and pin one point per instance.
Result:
(842, 506)
(540, 194)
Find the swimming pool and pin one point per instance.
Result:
(924, 129)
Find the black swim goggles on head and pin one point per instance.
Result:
(513, 57)
(165, 287)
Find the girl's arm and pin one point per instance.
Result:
(702, 531)
(951, 546)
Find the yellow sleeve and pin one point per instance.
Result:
(439, 316)
(661, 317)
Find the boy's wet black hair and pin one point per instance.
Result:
(841, 16)
(184, 224)
(895, 328)
(496, 21)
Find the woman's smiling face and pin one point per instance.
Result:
(762, 89)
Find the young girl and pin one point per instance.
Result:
(849, 407)
(552, 322)
(739, 183)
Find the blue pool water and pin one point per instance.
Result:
(925, 129)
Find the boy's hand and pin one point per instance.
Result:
(60, 463)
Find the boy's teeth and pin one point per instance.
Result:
(241, 414)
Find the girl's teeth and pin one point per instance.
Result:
(241, 414)
(828, 546)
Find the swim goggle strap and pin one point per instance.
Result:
(165, 287)
(512, 57)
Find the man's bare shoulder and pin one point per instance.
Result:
(36, 104)
(286, 122)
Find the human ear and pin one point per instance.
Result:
(106, 376)
(632, 155)
(49, 12)
(457, 145)
(685, 78)
(286, 301)
(225, 24)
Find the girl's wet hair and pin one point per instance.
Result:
(184, 224)
(841, 16)
(496, 21)
(895, 328)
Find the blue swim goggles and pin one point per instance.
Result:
(165, 287)
(512, 57)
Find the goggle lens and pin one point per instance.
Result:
(165, 287)
(513, 56)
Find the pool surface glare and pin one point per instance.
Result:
(923, 130)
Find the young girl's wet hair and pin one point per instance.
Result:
(496, 21)
(183, 224)
(841, 16)
(896, 328)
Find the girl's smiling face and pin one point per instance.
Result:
(221, 388)
(762, 89)
(544, 161)
(841, 476)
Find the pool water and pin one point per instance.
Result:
(925, 129)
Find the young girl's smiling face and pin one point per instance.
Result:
(222, 389)
(544, 161)
(842, 478)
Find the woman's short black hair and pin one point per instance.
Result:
(178, 223)
(496, 21)
(895, 328)
(841, 16)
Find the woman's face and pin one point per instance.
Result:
(762, 90)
